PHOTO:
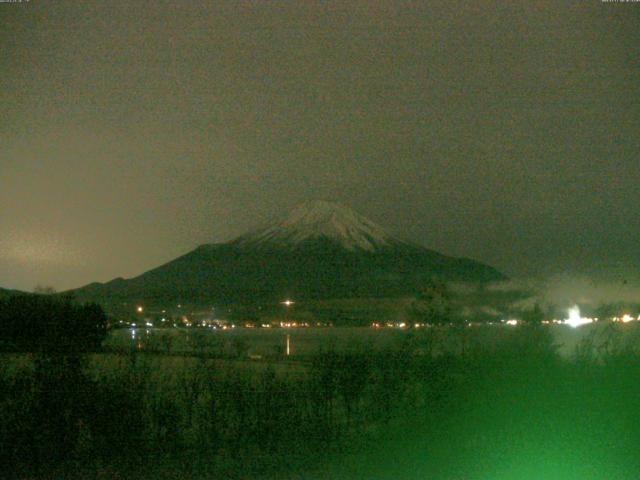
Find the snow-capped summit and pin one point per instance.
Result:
(322, 220)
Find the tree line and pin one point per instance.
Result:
(46, 323)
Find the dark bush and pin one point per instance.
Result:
(43, 323)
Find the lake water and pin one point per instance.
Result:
(265, 342)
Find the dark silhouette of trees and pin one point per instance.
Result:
(44, 290)
(432, 305)
(45, 323)
(57, 334)
(534, 316)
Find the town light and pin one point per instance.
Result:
(575, 320)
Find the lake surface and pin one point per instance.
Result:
(266, 342)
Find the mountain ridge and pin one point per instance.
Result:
(320, 250)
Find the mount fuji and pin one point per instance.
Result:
(321, 250)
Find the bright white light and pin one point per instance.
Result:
(139, 309)
(288, 303)
(575, 319)
(512, 322)
(627, 318)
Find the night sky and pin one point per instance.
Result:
(131, 132)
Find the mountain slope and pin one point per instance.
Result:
(321, 250)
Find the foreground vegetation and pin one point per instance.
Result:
(510, 410)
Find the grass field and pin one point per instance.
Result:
(472, 403)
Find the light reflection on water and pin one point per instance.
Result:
(311, 340)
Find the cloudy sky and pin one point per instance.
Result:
(131, 132)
